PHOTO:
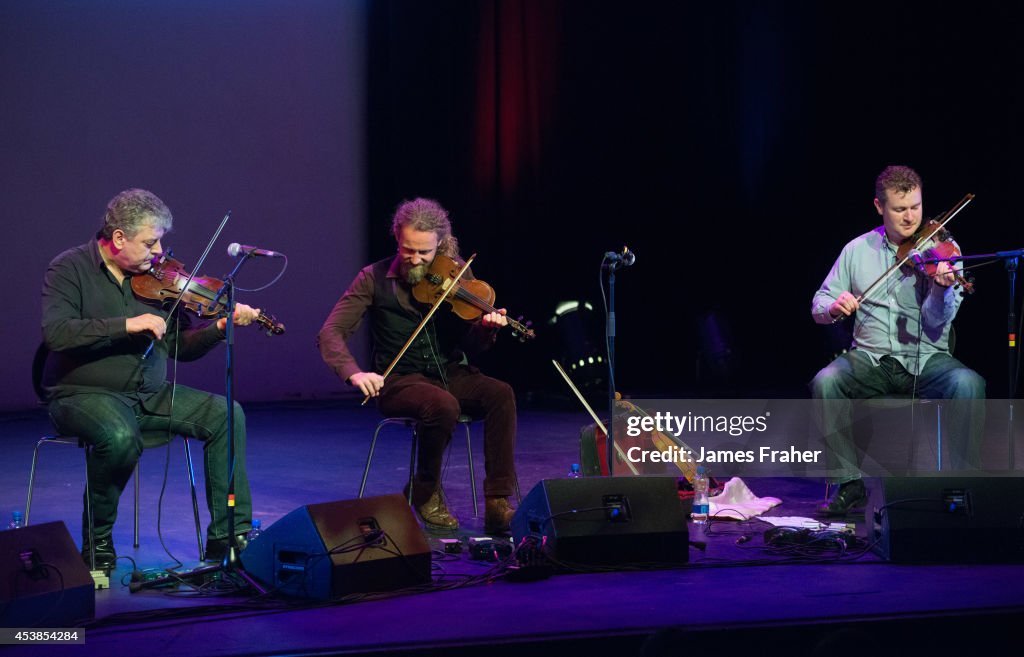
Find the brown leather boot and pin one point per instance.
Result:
(497, 515)
(435, 514)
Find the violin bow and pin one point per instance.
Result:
(946, 218)
(600, 425)
(426, 318)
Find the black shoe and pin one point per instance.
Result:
(217, 548)
(851, 495)
(105, 554)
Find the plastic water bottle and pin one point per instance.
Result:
(257, 529)
(699, 515)
(574, 471)
(17, 520)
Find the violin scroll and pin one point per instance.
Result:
(521, 330)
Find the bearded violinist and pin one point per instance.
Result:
(433, 382)
(900, 338)
(100, 388)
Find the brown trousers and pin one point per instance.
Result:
(437, 411)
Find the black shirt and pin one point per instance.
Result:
(85, 311)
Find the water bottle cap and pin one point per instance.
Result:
(17, 515)
(575, 467)
(256, 523)
(701, 470)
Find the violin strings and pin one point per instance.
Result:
(197, 288)
(468, 296)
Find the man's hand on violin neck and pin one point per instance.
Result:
(844, 306)
(944, 275)
(496, 320)
(244, 315)
(146, 323)
(369, 383)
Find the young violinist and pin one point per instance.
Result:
(101, 389)
(901, 335)
(433, 381)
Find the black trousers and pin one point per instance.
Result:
(114, 429)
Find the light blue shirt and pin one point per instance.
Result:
(906, 317)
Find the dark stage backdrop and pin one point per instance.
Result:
(257, 107)
(733, 146)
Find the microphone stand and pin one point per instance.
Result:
(1010, 260)
(231, 563)
(611, 266)
(611, 368)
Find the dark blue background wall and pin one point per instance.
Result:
(256, 107)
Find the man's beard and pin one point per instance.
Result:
(413, 274)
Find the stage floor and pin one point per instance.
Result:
(729, 595)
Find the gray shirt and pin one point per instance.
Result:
(907, 317)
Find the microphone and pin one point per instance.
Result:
(235, 249)
(624, 259)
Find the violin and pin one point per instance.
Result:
(166, 278)
(932, 241)
(469, 299)
(928, 233)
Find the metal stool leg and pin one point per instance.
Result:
(135, 518)
(90, 520)
(32, 481)
(412, 461)
(472, 470)
(45, 440)
(195, 501)
(369, 458)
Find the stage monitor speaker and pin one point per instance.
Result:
(324, 551)
(45, 582)
(951, 519)
(606, 521)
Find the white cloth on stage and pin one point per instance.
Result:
(738, 502)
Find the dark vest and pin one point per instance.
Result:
(392, 323)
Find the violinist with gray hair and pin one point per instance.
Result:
(101, 389)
